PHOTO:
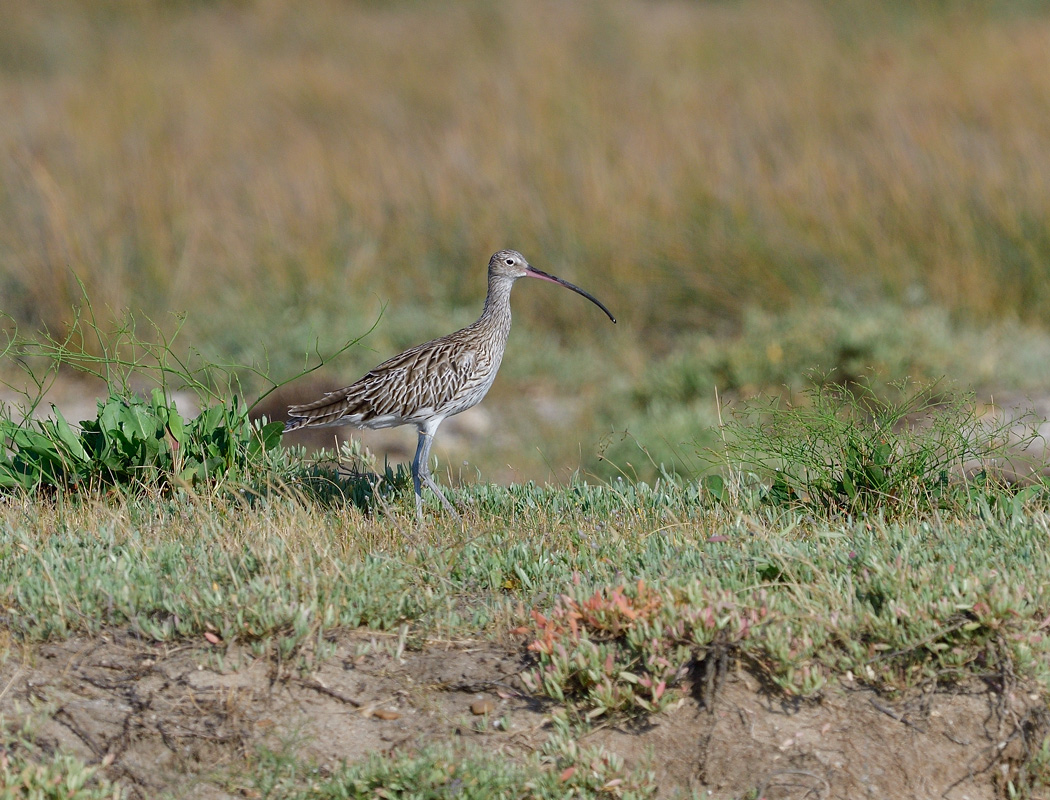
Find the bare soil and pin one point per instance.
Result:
(179, 719)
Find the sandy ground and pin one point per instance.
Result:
(179, 719)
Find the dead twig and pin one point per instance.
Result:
(319, 687)
(889, 712)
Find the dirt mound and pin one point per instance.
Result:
(181, 719)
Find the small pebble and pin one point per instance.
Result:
(383, 713)
(485, 706)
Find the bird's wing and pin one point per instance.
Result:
(423, 381)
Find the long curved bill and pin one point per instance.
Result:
(535, 273)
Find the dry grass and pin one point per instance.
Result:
(683, 158)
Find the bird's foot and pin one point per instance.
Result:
(441, 496)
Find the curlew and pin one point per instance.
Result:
(427, 383)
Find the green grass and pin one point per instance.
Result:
(848, 450)
(281, 575)
(849, 515)
(669, 409)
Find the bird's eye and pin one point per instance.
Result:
(510, 262)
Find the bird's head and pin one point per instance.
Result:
(510, 264)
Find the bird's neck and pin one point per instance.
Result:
(497, 305)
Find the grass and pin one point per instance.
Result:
(621, 587)
(274, 551)
(670, 409)
(847, 450)
(285, 575)
(653, 148)
(846, 536)
(757, 189)
(283, 174)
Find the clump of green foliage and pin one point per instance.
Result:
(133, 442)
(670, 409)
(842, 450)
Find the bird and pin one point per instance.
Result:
(435, 380)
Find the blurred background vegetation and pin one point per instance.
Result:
(756, 189)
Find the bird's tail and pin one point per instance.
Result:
(295, 423)
(335, 408)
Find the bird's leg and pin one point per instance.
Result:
(421, 475)
(415, 476)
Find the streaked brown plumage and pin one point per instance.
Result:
(427, 383)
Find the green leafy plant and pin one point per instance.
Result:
(135, 442)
